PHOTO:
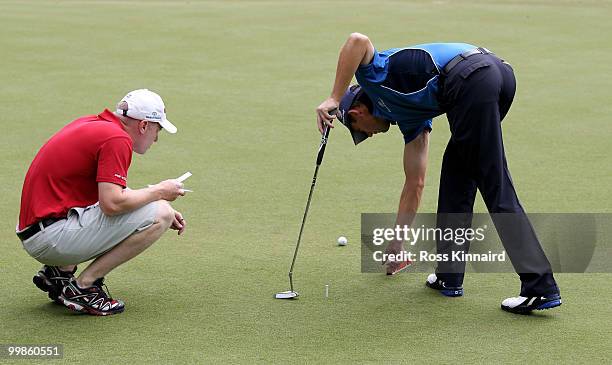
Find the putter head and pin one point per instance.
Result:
(289, 294)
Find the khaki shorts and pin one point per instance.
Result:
(86, 234)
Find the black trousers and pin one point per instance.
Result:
(477, 94)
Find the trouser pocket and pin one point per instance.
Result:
(36, 246)
(43, 243)
(82, 217)
(475, 67)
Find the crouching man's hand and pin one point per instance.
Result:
(179, 223)
(169, 189)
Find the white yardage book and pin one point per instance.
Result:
(182, 178)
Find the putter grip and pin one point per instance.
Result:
(324, 140)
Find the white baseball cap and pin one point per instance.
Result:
(143, 104)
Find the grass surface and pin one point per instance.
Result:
(241, 81)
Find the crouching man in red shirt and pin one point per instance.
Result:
(75, 204)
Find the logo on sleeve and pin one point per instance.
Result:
(121, 177)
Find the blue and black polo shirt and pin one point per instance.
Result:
(403, 84)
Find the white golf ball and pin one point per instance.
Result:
(342, 241)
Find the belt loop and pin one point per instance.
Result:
(41, 225)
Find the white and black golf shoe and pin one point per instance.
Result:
(52, 280)
(435, 283)
(91, 300)
(525, 305)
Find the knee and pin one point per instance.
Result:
(165, 214)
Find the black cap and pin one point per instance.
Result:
(353, 93)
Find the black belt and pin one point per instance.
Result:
(458, 58)
(36, 227)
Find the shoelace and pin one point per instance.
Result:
(62, 276)
(106, 292)
(63, 279)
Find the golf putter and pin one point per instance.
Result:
(292, 294)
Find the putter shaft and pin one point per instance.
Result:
(312, 186)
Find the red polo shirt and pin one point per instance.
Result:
(66, 171)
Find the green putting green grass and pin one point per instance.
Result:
(241, 81)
